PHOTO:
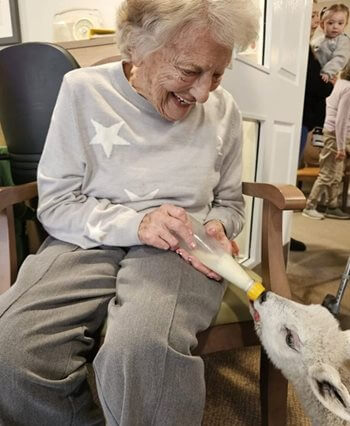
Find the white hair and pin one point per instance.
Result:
(144, 26)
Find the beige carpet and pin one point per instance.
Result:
(233, 393)
(232, 377)
(318, 271)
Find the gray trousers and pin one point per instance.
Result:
(145, 373)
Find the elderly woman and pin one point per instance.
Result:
(133, 148)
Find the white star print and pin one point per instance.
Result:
(95, 232)
(134, 197)
(219, 145)
(107, 136)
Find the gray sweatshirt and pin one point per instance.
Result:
(110, 158)
(332, 53)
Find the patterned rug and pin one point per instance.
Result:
(233, 391)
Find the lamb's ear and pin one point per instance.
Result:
(345, 336)
(328, 388)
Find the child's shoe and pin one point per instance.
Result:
(336, 213)
(312, 214)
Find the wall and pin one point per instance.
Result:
(36, 16)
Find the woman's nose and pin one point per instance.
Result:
(202, 88)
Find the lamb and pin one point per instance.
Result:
(307, 345)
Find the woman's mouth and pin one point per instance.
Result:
(182, 101)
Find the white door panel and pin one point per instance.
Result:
(270, 95)
(291, 42)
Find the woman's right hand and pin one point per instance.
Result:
(159, 227)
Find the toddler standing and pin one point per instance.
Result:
(332, 157)
(333, 48)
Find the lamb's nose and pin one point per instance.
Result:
(263, 297)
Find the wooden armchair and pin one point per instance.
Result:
(233, 326)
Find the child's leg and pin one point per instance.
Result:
(327, 170)
(335, 185)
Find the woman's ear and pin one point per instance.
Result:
(136, 58)
(327, 386)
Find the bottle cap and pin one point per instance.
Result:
(255, 290)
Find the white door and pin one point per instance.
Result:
(268, 84)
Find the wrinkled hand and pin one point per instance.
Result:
(158, 228)
(216, 230)
(235, 248)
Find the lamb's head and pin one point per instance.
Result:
(307, 345)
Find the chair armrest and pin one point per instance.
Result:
(276, 199)
(10, 195)
(284, 197)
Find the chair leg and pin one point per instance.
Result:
(273, 394)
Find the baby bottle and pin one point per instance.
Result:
(209, 251)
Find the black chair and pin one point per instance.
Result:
(30, 78)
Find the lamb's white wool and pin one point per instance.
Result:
(307, 345)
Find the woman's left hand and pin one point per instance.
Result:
(217, 231)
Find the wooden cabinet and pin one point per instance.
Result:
(88, 52)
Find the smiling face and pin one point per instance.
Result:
(180, 74)
(334, 24)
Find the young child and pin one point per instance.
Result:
(333, 48)
(332, 157)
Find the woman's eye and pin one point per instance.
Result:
(188, 73)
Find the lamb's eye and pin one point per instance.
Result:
(292, 339)
(289, 338)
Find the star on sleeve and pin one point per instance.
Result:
(95, 232)
(135, 197)
(219, 145)
(107, 136)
